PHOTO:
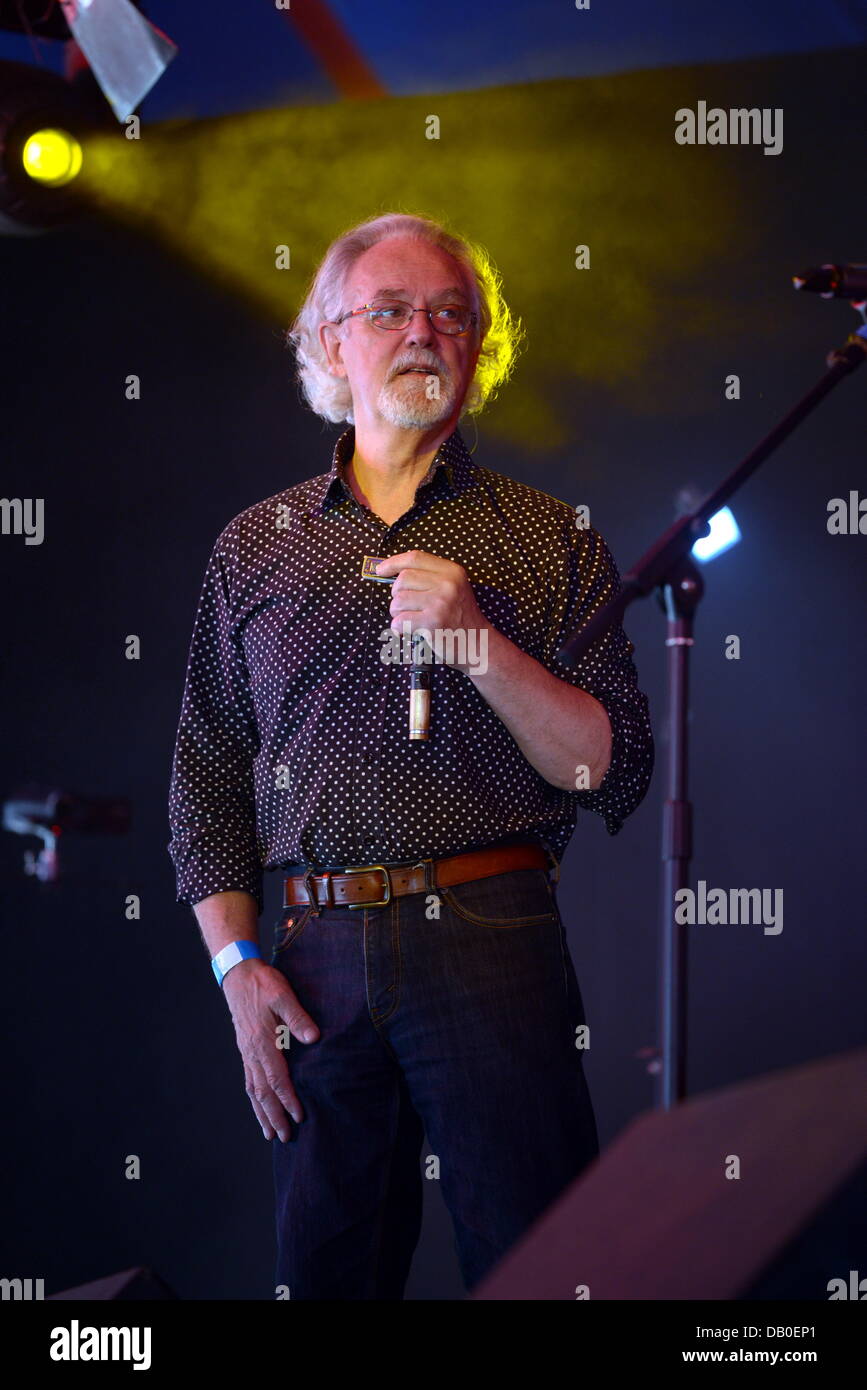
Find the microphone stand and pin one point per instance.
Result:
(669, 568)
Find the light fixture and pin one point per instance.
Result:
(44, 125)
(724, 533)
(52, 156)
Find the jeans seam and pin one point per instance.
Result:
(564, 943)
(380, 1224)
(395, 941)
(506, 922)
(564, 950)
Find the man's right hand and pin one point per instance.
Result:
(260, 1001)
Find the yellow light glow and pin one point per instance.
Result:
(52, 157)
(530, 171)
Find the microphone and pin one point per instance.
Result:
(419, 691)
(834, 281)
(419, 675)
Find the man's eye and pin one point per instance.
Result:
(384, 311)
(448, 311)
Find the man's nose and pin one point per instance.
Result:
(419, 329)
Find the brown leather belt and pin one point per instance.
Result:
(374, 885)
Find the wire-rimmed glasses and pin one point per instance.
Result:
(453, 319)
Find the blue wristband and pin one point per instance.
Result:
(230, 955)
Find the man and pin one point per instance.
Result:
(420, 965)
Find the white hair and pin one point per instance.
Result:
(500, 332)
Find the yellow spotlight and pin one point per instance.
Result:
(52, 157)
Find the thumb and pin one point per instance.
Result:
(297, 1020)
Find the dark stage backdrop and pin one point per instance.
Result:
(117, 1040)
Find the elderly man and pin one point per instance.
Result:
(420, 965)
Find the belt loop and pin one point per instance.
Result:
(427, 865)
(555, 862)
(311, 894)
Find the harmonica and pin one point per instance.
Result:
(368, 569)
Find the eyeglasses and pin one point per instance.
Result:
(453, 319)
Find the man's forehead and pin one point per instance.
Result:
(378, 279)
(396, 290)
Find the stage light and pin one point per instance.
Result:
(46, 125)
(115, 56)
(724, 533)
(52, 157)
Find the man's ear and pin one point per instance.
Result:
(329, 338)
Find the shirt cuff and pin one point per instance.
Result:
(618, 793)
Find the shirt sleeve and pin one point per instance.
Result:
(587, 579)
(212, 811)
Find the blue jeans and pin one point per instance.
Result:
(461, 1027)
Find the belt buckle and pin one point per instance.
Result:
(366, 869)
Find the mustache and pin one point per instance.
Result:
(438, 367)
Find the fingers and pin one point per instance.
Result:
(258, 1111)
(415, 580)
(393, 564)
(415, 563)
(265, 1021)
(272, 1094)
(299, 1023)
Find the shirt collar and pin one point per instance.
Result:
(452, 460)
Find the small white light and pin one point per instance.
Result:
(724, 532)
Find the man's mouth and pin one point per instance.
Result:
(423, 371)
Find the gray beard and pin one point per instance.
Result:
(414, 410)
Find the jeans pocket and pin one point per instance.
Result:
(521, 898)
(290, 926)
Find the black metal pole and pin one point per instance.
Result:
(668, 567)
(680, 600)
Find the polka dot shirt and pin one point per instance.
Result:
(292, 746)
